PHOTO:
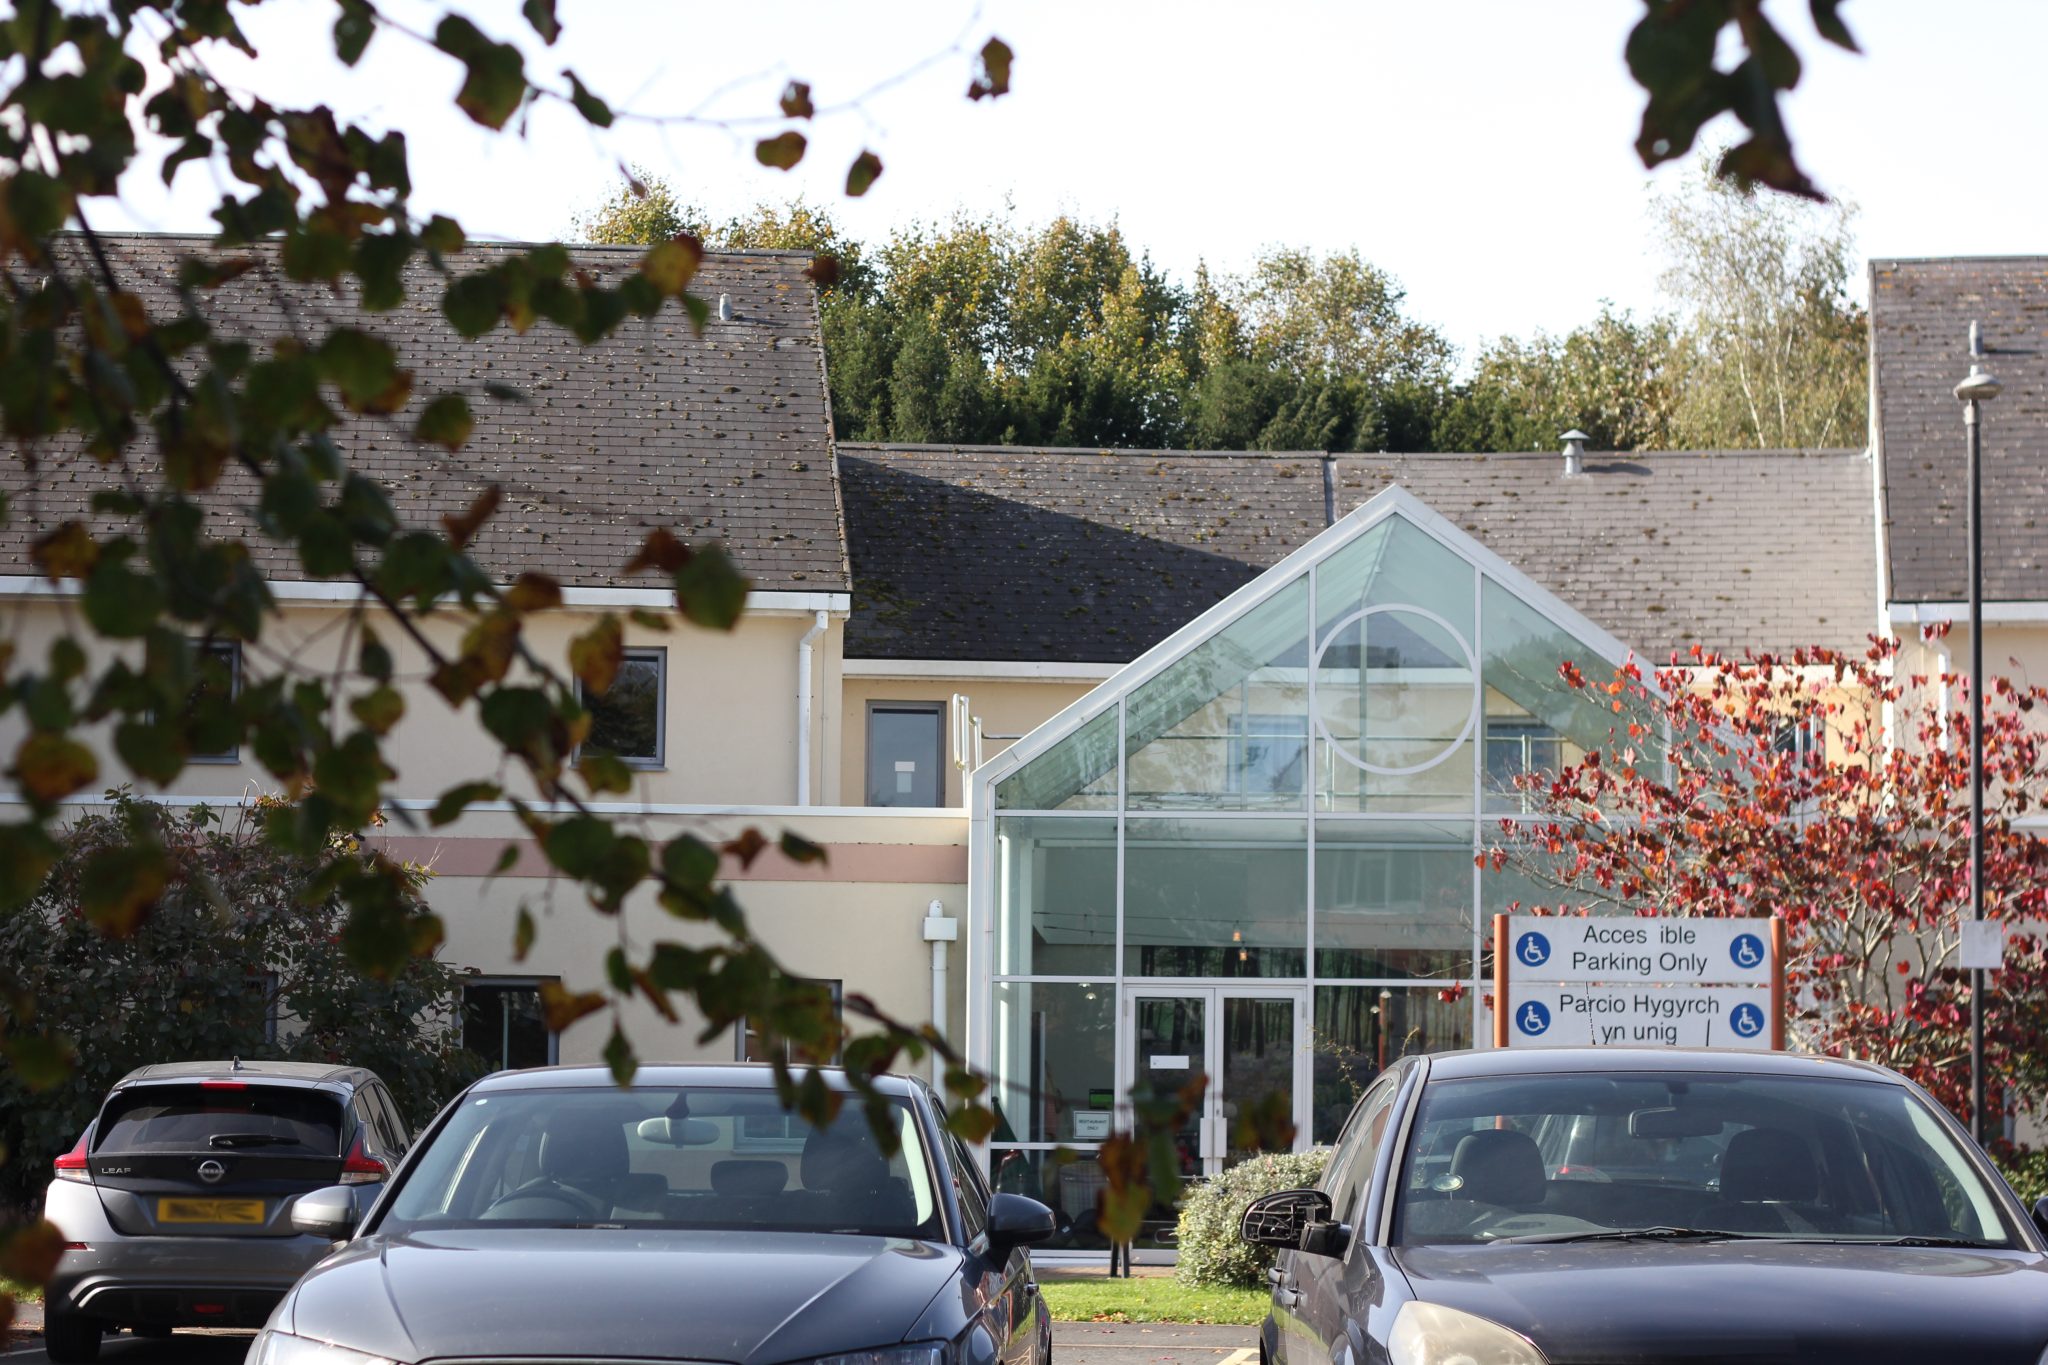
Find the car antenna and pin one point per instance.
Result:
(234, 1063)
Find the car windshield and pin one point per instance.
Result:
(671, 1157)
(1574, 1156)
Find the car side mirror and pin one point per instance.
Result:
(328, 1213)
(1279, 1220)
(2041, 1215)
(1015, 1221)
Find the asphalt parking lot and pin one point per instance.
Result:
(1074, 1343)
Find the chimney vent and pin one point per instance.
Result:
(725, 308)
(1574, 451)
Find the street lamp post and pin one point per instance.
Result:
(1978, 387)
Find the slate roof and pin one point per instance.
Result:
(1091, 556)
(721, 436)
(1920, 313)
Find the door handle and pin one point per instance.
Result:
(1272, 1274)
(1029, 1288)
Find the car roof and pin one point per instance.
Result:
(737, 1075)
(1535, 1061)
(237, 1070)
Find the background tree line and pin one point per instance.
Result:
(979, 331)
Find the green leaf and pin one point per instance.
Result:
(595, 655)
(363, 367)
(796, 100)
(446, 422)
(449, 806)
(561, 1008)
(604, 772)
(42, 1061)
(49, 768)
(798, 849)
(595, 111)
(670, 266)
(443, 235)
(541, 14)
(522, 935)
(379, 710)
(782, 151)
(118, 887)
(710, 589)
(865, 171)
(27, 853)
(517, 716)
(618, 1055)
(353, 29)
(150, 749)
(688, 861)
(474, 304)
(579, 845)
(496, 76)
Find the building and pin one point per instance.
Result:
(1128, 764)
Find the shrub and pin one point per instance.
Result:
(1210, 1250)
(2025, 1169)
(240, 955)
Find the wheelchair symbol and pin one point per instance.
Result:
(1747, 1021)
(1532, 949)
(1747, 950)
(1532, 1018)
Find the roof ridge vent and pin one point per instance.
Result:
(1574, 452)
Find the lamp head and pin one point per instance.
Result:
(1979, 387)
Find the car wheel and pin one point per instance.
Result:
(69, 1338)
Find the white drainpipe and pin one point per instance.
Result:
(939, 931)
(803, 708)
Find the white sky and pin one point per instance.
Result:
(1480, 150)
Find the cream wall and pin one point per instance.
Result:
(730, 698)
(1006, 707)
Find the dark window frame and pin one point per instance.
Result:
(533, 983)
(658, 656)
(233, 650)
(934, 709)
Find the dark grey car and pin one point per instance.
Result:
(550, 1214)
(177, 1202)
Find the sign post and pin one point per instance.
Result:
(1674, 982)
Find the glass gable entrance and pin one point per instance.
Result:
(1250, 856)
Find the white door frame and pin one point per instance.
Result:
(1214, 1137)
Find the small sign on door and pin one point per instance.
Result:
(1170, 1061)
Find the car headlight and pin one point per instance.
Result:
(273, 1347)
(923, 1353)
(1431, 1334)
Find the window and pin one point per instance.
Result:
(903, 754)
(1803, 739)
(1350, 1168)
(754, 1046)
(1515, 748)
(1268, 754)
(210, 714)
(502, 1023)
(629, 718)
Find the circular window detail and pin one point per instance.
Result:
(1397, 689)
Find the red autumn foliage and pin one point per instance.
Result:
(1832, 790)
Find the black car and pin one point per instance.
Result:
(1544, 1206)
(551, 1214)
(176, 1204)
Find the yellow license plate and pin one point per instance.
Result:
(243, 1211)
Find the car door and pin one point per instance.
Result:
(1329, 1292)
(1009, 1293)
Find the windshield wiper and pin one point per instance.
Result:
(250, 1140)
(1966, 1243)
(1656, 1234)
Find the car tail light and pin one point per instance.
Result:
(358, 1168)
(223, 1085)
(72, 1165)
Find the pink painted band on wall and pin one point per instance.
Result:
(897, 863)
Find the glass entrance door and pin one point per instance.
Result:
(1243, 1048)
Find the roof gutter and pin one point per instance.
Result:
(322, 593)
(2023, 613)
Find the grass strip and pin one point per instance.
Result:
(1152, 1300)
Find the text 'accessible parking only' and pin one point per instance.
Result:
(1638, 981)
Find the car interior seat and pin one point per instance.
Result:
(1769, 1182)
(1499, 1166)
(845, 1165)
